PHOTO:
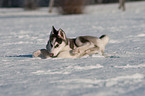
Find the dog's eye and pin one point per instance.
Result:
(56, 46)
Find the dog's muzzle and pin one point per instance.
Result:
(51, 54)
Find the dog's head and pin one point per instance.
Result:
(57, 41)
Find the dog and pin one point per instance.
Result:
(59, 46)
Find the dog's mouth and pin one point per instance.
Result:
(52, 55)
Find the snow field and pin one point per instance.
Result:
(123, 74)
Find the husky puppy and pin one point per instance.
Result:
(62, 47)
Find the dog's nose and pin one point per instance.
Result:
(51, 54)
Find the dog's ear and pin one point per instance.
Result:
(54, 31)
(61, 34)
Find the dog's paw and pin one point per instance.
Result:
(36, 53)
(87, 51)
(42, 53)
(76, 51)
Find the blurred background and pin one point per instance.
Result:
(63, 6)
(44, 3)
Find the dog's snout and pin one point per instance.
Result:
(51, 54)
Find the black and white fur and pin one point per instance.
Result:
(62, 47)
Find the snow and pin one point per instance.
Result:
(121, 74)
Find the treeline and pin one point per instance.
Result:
(44, 3)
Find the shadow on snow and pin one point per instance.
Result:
(27, 56)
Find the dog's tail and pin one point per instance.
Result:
(105, 39)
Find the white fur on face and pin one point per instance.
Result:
(56, 50)
(54, 47)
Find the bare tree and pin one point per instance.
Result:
(122, 4)
(31, 4)
(1, 3)
(6, 3)
(51, 3)
(100, 1)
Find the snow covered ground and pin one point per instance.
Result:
(123, 74)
